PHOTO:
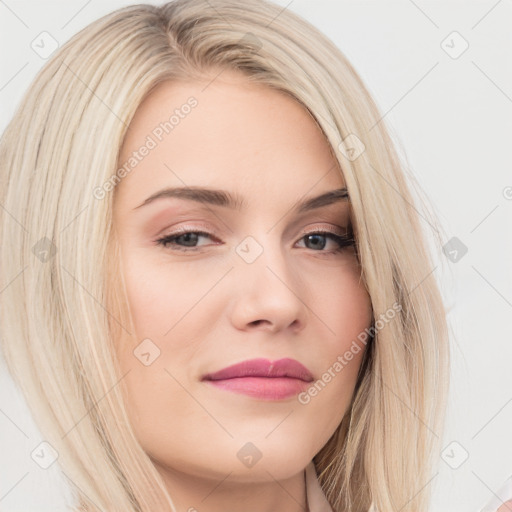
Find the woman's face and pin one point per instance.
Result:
(253, 284)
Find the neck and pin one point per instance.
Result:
(191, 493)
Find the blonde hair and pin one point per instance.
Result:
(61, 295)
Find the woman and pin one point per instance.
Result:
(224, 297)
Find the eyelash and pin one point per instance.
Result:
(344, 241)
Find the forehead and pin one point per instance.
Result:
(225, 132)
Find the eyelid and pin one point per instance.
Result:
(329, 229)
(186, 229)
(304, 231)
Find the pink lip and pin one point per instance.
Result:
(262, 378)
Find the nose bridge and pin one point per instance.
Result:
(269, 291)
(263, 258)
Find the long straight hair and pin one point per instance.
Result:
(62, 293)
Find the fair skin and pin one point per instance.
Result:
(205, 307)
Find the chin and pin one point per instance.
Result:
(245, 462)
(264, 470)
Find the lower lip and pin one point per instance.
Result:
(268, 388)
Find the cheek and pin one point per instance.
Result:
(162, 293)
(341, 303)
(345, 310)
(171, 318)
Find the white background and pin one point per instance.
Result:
(452, 120)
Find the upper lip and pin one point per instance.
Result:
(263, 368)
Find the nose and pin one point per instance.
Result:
(269, 296)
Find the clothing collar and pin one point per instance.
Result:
(315, 497)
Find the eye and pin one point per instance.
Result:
(317, 241)
(187, 240)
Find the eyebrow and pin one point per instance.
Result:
(225, 199)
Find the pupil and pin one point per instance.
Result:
(189, 237)
(317, 237)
